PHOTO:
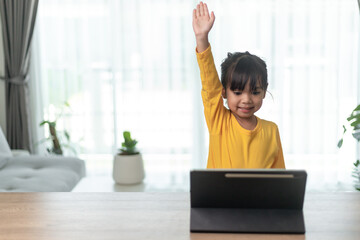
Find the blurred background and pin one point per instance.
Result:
(105, 66)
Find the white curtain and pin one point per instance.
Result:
(130, 65)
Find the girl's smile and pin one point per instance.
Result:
(244, 103)
(245, 109)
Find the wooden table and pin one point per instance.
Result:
(53, 216)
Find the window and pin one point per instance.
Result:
(131, 65)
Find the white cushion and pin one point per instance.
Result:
(19, 152)
(41, 174)
(4, 146)
(3, 160)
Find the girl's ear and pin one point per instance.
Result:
(223, 93)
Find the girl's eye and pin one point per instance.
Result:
(256, 93)
(237, 93)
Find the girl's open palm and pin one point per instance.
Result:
(202, 20)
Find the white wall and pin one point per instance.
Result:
(2, 87)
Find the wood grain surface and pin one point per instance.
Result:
(152, 216)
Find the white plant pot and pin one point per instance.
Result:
(128, 169)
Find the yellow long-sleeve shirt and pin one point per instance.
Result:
(232, 146)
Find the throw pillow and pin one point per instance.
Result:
(4, 146)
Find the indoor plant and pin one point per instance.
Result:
(354, 121)
(57, 140)
(128, 165)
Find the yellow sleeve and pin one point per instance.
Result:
(279, 161)
(211, 91)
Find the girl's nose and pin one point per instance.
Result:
(246, 98)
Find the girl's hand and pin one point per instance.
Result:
(202, 24)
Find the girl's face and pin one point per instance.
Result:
(244, 103)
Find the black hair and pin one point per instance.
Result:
(240, 67)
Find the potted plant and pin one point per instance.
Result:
(57, 140)
(354, 121)
(128, 163)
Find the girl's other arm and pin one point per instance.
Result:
(202, 24)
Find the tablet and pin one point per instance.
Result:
(252, 201)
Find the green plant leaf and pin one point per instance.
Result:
(128, 146)
(340, 143)
(129, 143)
(357, 163)
(357, 122)
(357, 108)
(353, 115)
(43, 123)
(344, 129)
(127, 136)
(53, 124)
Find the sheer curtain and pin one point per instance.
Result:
(130, 65)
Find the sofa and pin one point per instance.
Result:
(22, 172)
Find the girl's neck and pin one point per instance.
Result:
(247, 123)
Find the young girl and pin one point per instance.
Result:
(238, 138)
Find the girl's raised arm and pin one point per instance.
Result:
(202, 24)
